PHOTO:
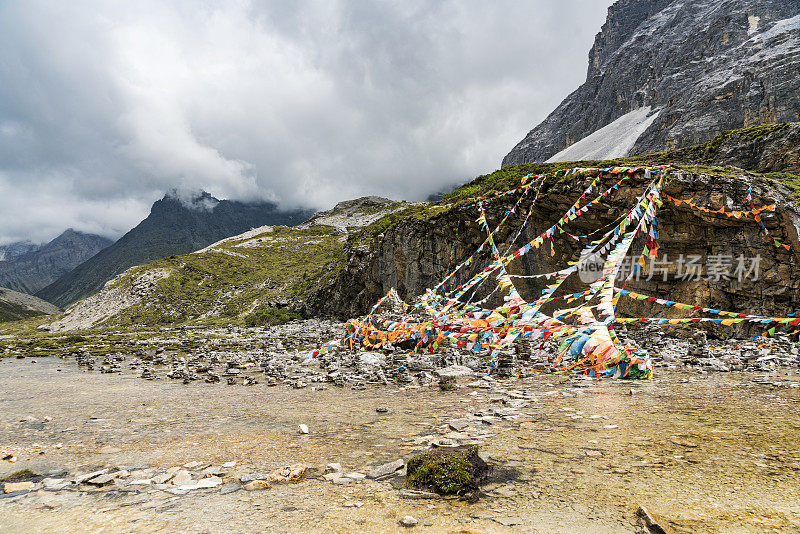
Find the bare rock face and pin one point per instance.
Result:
(674, 73)
(416, 254)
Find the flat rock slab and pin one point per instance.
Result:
(12, 487)
(83, 478)
(230, 487)
(182, 477)
(386, 470)
(454, 371)
(101, 480)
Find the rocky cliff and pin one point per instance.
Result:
(414, 253)
(671, 73)
(174, 226)
(28, 268)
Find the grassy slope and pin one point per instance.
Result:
(13, 312)
(230, 282)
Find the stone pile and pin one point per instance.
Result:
(704, 354)
(247, 357)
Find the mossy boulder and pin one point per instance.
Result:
(447, 471)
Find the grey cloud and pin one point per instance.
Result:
(105, 106)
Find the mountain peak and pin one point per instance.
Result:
(740, 62)
(193, 200)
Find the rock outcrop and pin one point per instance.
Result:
(414, 253)
(174, 226)
(665, 74)
(29, 268)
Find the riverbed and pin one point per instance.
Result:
(701, 452)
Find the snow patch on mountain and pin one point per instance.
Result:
(614, 140)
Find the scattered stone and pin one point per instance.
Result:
(417, 494)
(54, 484)
(458, 426)
(333, 468)
(209, 482)
(651, 523)
(303, 429)
(257, 485)
(408, 521)
(230, 487)
(288, 473)
(386, 470)
(83, 478)
(182, 477)
(102, 480)
(454, 371)
(229, 465)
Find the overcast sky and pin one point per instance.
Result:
(105, 105)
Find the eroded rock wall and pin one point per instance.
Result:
(416, 254)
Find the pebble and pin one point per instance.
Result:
(182, 477)
(334, 467)
(408, 521)
(257, 485)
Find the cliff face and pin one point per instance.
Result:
(32, 269)
(416, 253)
(671, 73)
(174, 226)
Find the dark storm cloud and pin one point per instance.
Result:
(105, 106)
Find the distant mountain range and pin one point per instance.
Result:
(28, 268)
(666, 74)
(175, 226)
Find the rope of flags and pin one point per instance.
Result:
(590, 346)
